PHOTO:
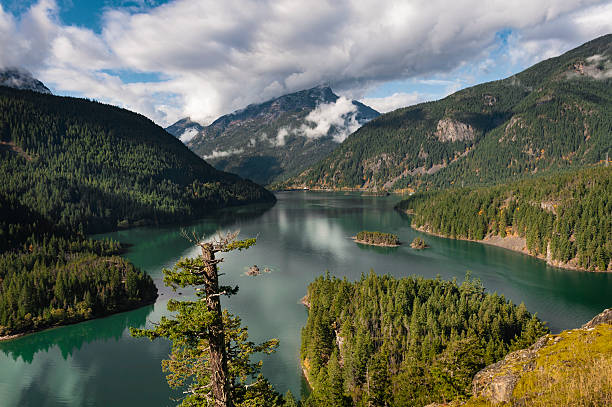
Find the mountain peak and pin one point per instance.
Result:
(279, 137)
(21, 79)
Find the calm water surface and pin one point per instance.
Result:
(97, 363)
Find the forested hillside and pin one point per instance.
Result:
(268, 141)
(565, 218)
(556, 114)
(69, 167)
(92, 166)
(405, 342)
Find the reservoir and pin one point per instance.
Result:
(97, 363)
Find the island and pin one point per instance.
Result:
(377, 239)
(418, 244)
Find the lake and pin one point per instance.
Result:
(97, 363)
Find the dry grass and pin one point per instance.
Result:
(575, 371)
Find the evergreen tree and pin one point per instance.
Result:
(210, 350)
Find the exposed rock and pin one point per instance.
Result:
(453, 130)
(253, 271)
(496, 382)
(20, 79)
(604, 318)
(489, 100)
(418, 244)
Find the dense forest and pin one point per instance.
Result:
(554, 115)
(377, 238)
(383, 341)
(69, 167)
(566, 218)
(96, 167)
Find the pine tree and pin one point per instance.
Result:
(210, 351)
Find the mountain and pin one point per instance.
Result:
(278, 138)
(93, 167)
(185, 129)
(20, 79)
(556, 114)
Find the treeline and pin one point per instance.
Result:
(377, 238)
(383, 341)
(565, 217)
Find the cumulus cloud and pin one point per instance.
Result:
(214, 57)
(221, 154)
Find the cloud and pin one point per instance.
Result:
(221, 154)
(215, 57)
(188, 134)
(279, 141)
(337, 119)
(395, 101)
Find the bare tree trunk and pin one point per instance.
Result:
(218, 356)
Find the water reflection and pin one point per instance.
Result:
(69, 339)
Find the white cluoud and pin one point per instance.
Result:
(188, 134)
(339, 115)
(221, 154)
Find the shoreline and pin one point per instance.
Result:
(10, 337)
(513, 243)
(365, 191)
(354, 238)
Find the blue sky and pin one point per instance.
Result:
(204, 58)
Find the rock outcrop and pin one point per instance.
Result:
(453, 130)
(497, 382)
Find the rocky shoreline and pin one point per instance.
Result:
(514, 243)
(374, 244)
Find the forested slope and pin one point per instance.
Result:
(405, 342)
(69, 167)
(554, 115)
(95, 166)
(564, 218)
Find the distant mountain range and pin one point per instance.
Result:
(20, 79)
(270, 141)
(556, 114)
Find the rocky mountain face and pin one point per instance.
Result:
(20, 79)
(185, 129)
(556, 114)
(270, 141)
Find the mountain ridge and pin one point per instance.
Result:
(276, 138)
(20, 79)
(552, 115)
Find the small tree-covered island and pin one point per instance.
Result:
(377, 239)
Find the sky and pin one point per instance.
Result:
(202, 59)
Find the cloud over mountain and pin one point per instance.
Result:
(206, 58)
